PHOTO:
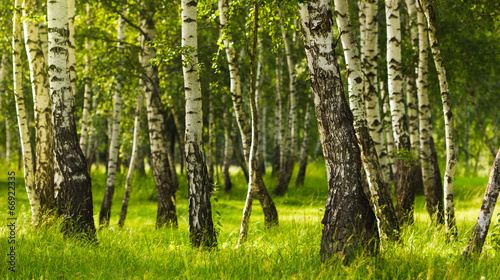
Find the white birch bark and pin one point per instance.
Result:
(425, 125)
(201, 228)
(411, 94)
(164, 179)
(261, 109)
(405, 193)
(71, 46)
(342, 236)
(449, 174)
(88, 86)
(128, 181)
(389, 135)
(211, 140)
(371, 86)
(379, 188)
(480, 230)
(77, 191)
(44, 173)
(27, 154)
(114, 146)
(235, 87)
(362, 28)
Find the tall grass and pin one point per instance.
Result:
(290, 251)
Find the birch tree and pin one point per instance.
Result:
(114, 146)
(449, 175)
(304, 148)
(165, 184)
(44, 173)
(24, 133)
(88, 87)
(270, 212)
(354, 227)
(431, 180)
(78, 216)
(201, 226)
(480, 230)
(405, 189)
(379, 188)
(128, 181)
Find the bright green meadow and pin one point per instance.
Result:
(289, 251)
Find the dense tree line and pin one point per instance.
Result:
(239, 79)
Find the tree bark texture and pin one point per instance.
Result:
(270, 212)
(44, 160)
(201, 226)
(449, 175)
(304, 148)
(77, 186)
(349, 222)
(405, 169)
(480, 230)
(379, 188)
(165, 186)
(128, 181)
(114, 146)
(88, 87)
(24, 133)
(428, 163)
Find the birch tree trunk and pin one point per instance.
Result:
(292, 144)
(91, 142)
(71, 46)
(480, 230)
(253, 160)
(128, 181)
(114, 146)
(228, 153)
(373, 117)
(304, 148)
(270, 212)
(389, 134)
(165, 185)
(44, 160)
(379, 188)
(405, 171)
(88, 87)
(27, 154)
(77, 186)
(430, 180)
(261, 109)
(211, 139)
(449, 175)
(278, 120)
(201, 227)
(349, 222)
(411, 87)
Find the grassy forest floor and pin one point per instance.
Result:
(290, 251)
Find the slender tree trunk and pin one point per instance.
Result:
(480, 231)
(201, 227)
(88, 86)
(411, 87)
(211, 139)
(263, 139)
(91, 142)
(379, 188)
(44, 160)
(349, 222)
(389, 135)
(405, 170)
(128, 182)
(304, 148)
(278, 120)
(228, 153)
(467, 135)
(77, 186)
(165, 185)
(428, 161)
(27, 154)
(114, 146)
(179, 124)
(253, 160)
(270, 212)
(449, 174)
(261, 109)
(71, 45)
(371, 86)
(292, 143)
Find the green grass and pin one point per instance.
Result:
(290, 251)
